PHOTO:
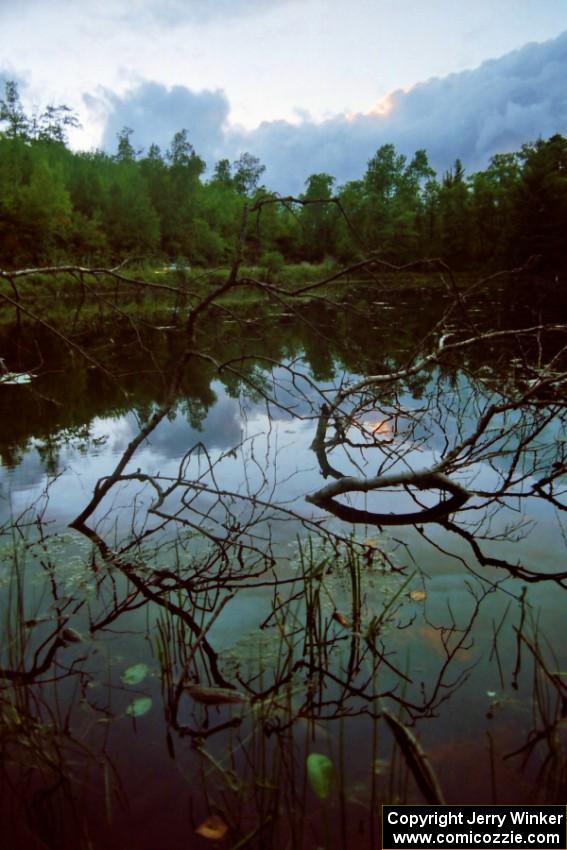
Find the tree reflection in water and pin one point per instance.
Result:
(280, 610)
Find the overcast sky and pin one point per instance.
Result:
(308, 85)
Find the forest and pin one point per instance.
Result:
(57, 205)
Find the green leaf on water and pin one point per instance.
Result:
(135, 674)
(139, 706)
(321, 774)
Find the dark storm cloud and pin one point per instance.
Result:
(155, 113)
(497, 107)
(471, 115)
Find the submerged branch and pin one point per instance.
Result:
(423, 480)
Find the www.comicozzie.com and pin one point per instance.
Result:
(474, 826)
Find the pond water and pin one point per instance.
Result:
(181, 660)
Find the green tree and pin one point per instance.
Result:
(125, 151)
(181, 152)
(492, 202)
(541, 202)
(181, 194)
(52, 124)
(394, 209)
(350, 232)
(130, 220)
(223, 173)
(12, 113)
(454, 215)
(43, 211)
(318, 220)
(247, 172)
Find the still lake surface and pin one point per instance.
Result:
(94, 757)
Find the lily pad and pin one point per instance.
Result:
(321, 774)
(139, 706)
(135, 674)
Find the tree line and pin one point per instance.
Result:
(58, 205)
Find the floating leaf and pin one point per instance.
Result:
(216, 696)
(139, 706)
(214, 828)
(418, 595)
(135, 674)
(69, 635)
(340, 618)
(321, 774)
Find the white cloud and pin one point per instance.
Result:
(269, 56)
